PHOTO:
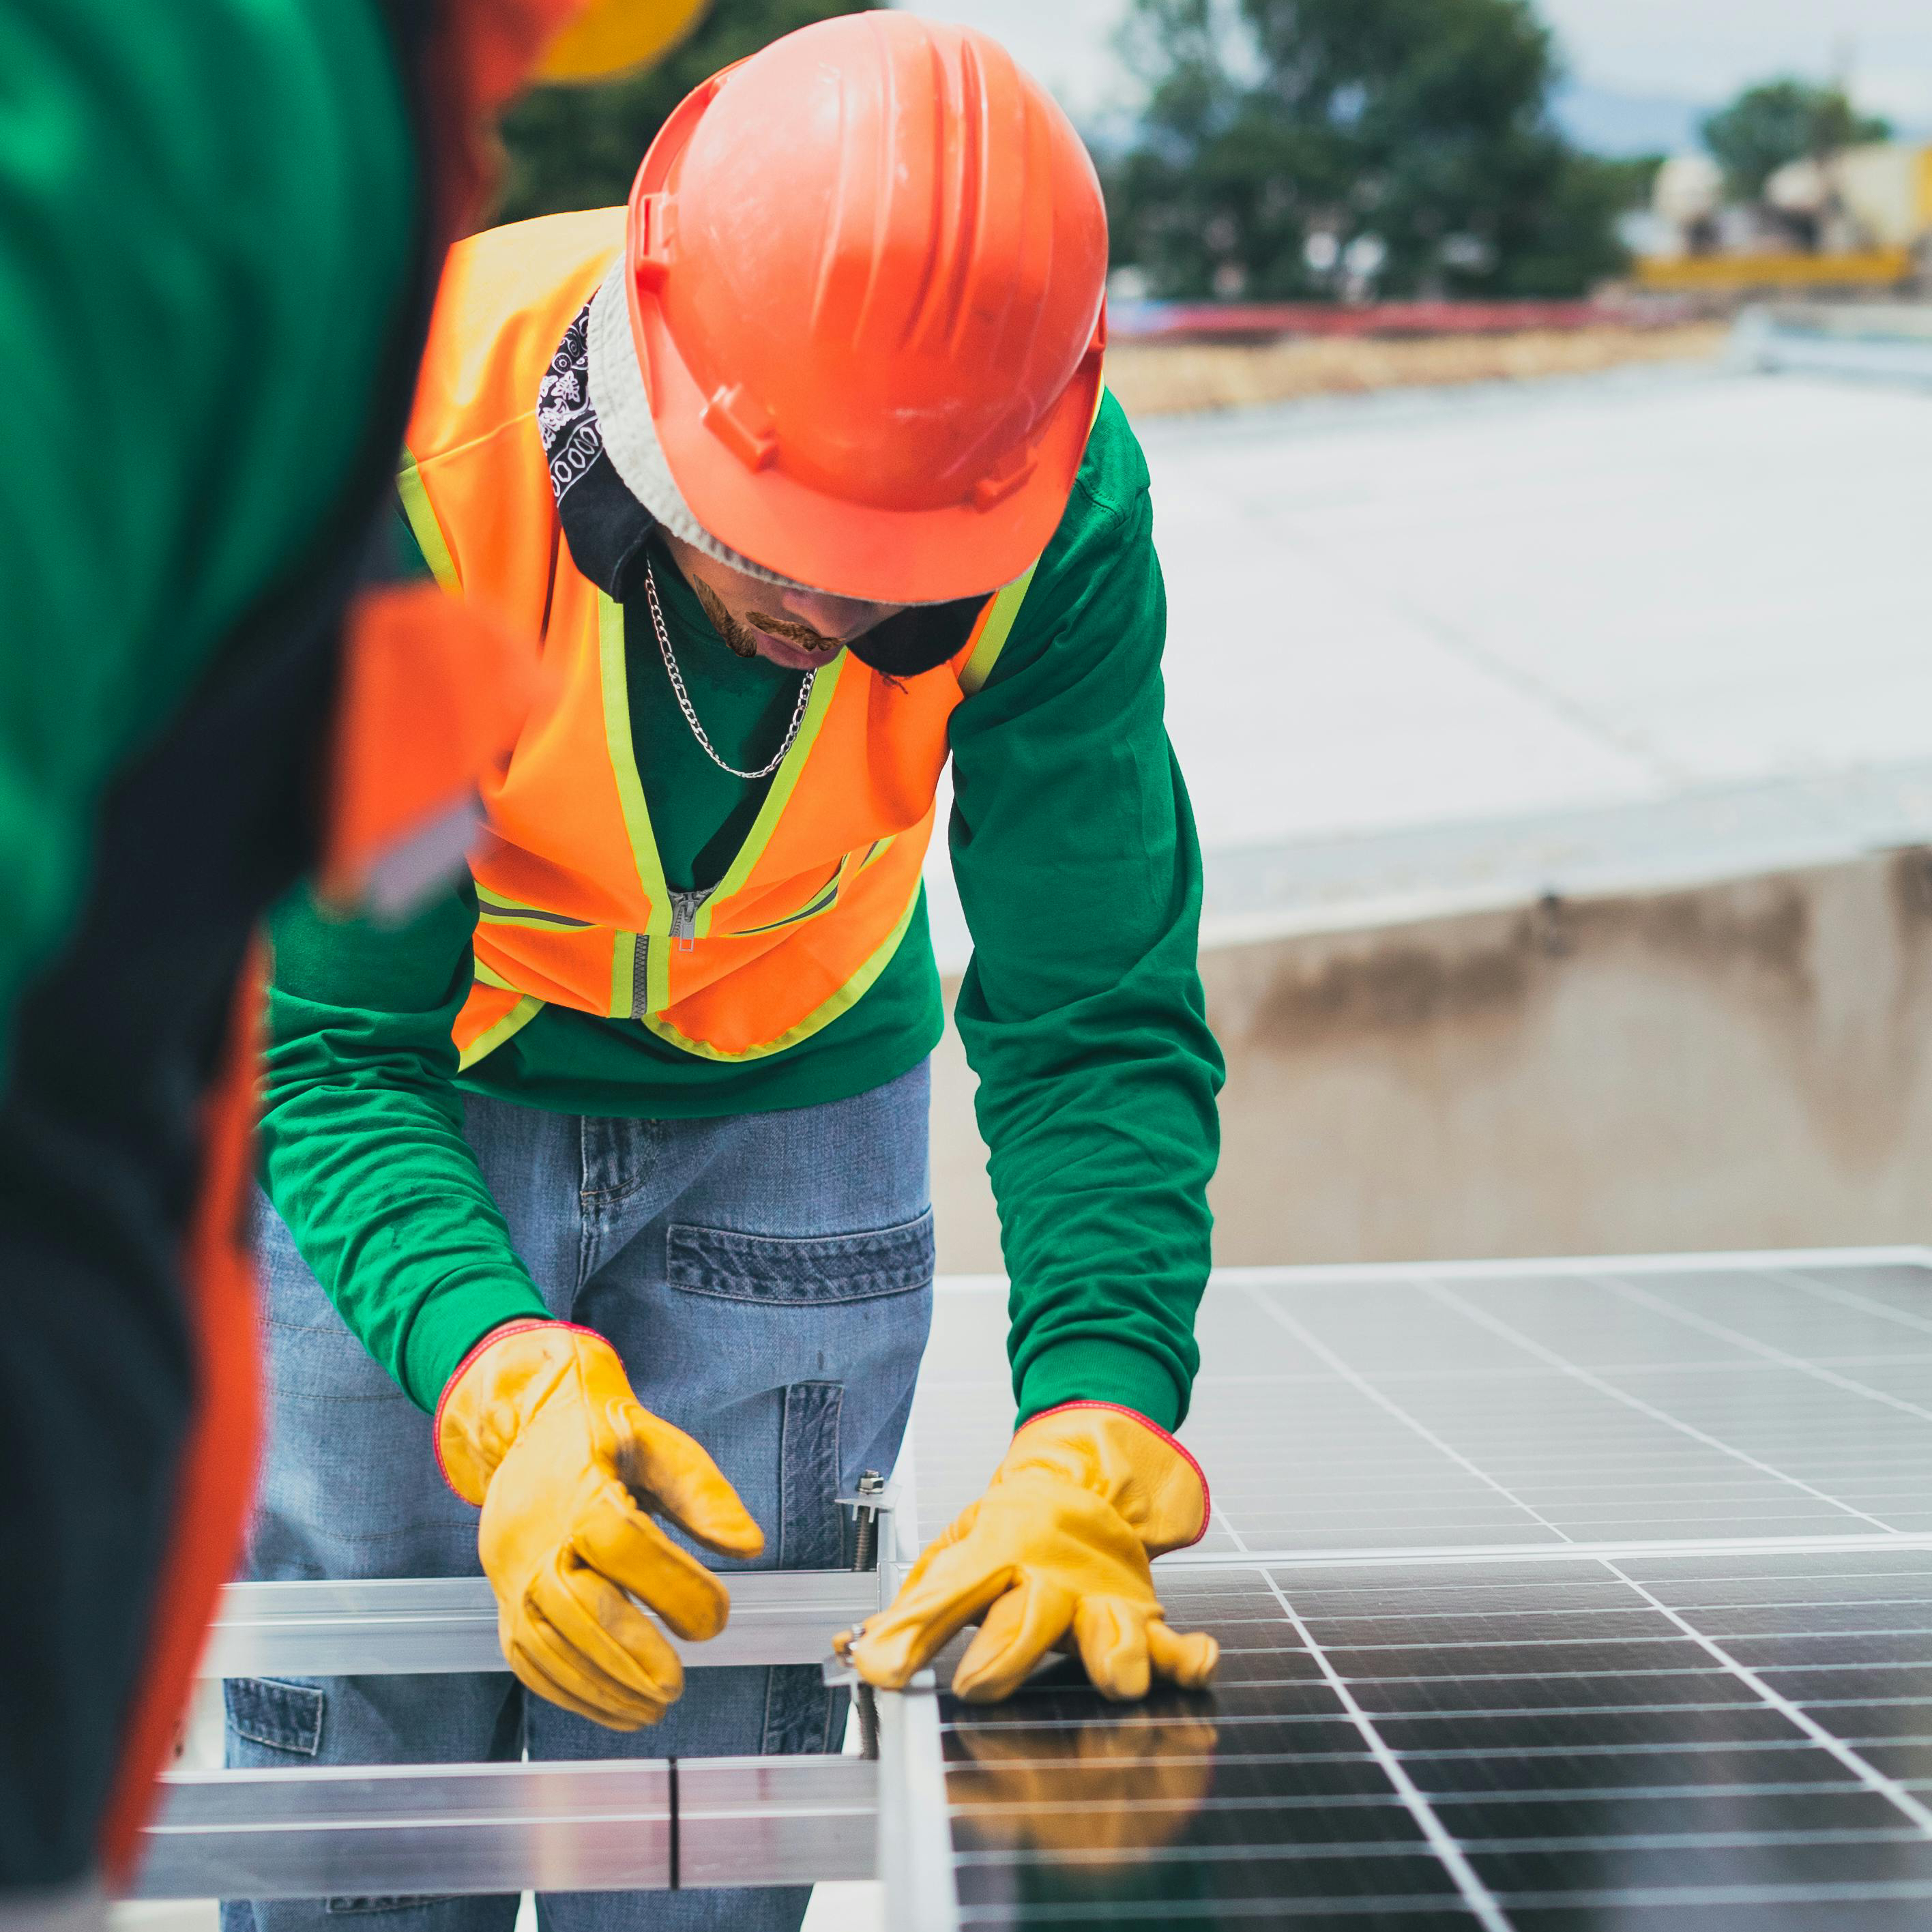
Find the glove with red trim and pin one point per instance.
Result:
(538, 1425)
(1055, 1555)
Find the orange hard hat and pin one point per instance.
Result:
(865, 271)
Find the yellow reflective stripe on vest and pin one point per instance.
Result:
(847, 996)
(643, 841)
(488, 975)
(514, 1021)
(423, 527)
(624, 974)
(997, 628)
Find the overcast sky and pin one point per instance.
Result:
(1700, 50)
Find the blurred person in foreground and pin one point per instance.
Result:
(615, 1159)
(221, 225)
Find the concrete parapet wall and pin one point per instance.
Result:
(1747, 1064)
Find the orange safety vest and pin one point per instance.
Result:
(573, 906)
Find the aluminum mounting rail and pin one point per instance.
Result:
(384, 1832)
(366, 1833)
(437, 1624)
(915, 1827)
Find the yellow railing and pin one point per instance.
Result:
(1863, 269)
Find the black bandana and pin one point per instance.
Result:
(607, 528)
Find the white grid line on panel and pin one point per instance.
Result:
(1480, 1900)
(1486, 1618)
(1228, 1529)
(1217, 1519)
(1847, 1297)
(1597, 1641)
(1363, 1851)
(1620, 1674)
(1373, 1850)
(1374, 1556)
(1426, 1754)
(1542, 1795)
(1708, 1898)
(1346, 1274)
(1339, 1911)
(1309, 1339)
(1867, 1774)
(1643, 1298)
(1694, 1841)
(1695, 1707)
(1292, 1379)
(1440, 1291)
(1233, 1722)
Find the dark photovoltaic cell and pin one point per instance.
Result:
(1436, 1709)
(1597, 1742)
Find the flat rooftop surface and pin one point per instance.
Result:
(1499, 607)
(1395, 610)
(1553, 1596)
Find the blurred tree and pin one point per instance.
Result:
(572, 147)
(1781, 121)
(1296, 149)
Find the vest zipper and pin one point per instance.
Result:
(640, 977)
(685, 908)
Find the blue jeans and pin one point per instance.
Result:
(767, 1279)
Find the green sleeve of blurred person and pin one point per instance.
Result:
(206, 229)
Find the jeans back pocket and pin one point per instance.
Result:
(277, 1713)
(776, 1269)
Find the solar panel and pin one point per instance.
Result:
(1550, 1596)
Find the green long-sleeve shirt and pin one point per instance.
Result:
(205, 215)
(1077, 865)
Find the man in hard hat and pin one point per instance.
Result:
(220, 226)
(615, 1159)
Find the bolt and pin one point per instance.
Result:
(866, 1557)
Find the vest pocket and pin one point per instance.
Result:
(822, 899)
(734, 1267)
(493, 909)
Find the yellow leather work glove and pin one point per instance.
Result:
(538, 1425)
(1055, 1555)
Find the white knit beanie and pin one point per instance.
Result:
(630, 438)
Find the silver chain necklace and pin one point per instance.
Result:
(684, 696)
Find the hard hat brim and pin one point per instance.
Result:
(856, 550)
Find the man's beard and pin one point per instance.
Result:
(727, 626)
(744, 640)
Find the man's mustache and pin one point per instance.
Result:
(792, 632)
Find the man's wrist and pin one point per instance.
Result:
(449, 1326)
(1097, 1369)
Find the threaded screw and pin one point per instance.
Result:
(866, 1555)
